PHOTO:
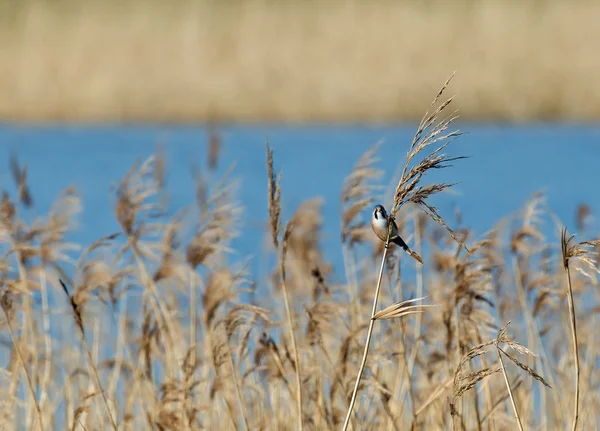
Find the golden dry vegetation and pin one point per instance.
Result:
(157, 327)
(296, 61)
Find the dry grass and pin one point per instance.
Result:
(257, 60)
(171, 340)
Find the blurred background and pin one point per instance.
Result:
(296, 61)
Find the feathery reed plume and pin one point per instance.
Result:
(463, 383)
(357, 195)
(274, 185)
(134, 207)
(274, 218)
(19, 175)
(430, 131)
(502, 338)
(237, 318)
(581, 252)
(218, 222)
(76, 308)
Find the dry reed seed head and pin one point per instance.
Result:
(6, 301)
(135, 203)
(243, 315)
(526, 368)
(357, 195)
(7, 212)
(274, 204)
(463, 383)
(222, 286)
(268, 358)
(218, 223)
(76, 300)
(95, 274)
(61, 220)
(581, 252)
(503, 338)
(472, 278)
(171, 265)
(198, 251)
(470, 380)
(322, 317)
(543, 298)
(430, 131)
(302, 239)
(125, 211)
(524, 241)
(19, 175)
(170, 420)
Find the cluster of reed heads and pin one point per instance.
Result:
(154, 327)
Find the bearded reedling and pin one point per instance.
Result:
(379, 223)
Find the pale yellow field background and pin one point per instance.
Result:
(296, 61)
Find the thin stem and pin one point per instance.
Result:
(369, 333)
(157, 305)
(98, 382)
(237, 386)
(531, 322)
(29, 383)
(192, 311)
(290, 320)
(47, 339)
(512, 400)
(575, 347)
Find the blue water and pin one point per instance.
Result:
(506, 166)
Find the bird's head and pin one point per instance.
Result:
(379, 212)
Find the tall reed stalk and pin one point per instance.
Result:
(368, 340)
(580, 251)
(430, 131)
(274, 185)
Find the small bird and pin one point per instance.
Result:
(379, 223)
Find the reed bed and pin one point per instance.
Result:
(157, 327)
(295, 61)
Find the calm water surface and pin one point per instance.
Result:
(506, 166)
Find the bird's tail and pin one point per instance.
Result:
(399, 241)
